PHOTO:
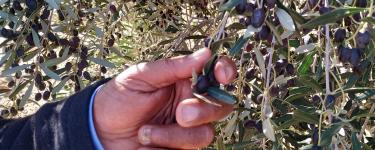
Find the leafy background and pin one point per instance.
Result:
(301, 83)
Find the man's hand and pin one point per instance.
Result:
(150, 105)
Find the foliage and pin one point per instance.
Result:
(305, 67)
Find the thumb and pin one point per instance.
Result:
(165, 72)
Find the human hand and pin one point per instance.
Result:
(151, 106)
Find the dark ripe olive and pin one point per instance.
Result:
(45, 14)
(315, 99)
(247, 21)
(103, 69)
(274, 91)
(38, 78)
(361, 68)
(315, 136)
(82, 64)
(29, 40)
(290, 69)
(18, 75)
(11, 83)
(246, 90)
(37, 26)
(38, 96)
(357, 17)
(291, 82)
(330, 101)
(250, 74)
(257, 124)
(46, 95)
(281, 63)
(75, 32)
(242, 21)
(13, 111)
(86, 75)
(202, 84)
(264, 33)
(313, 3)
(7, 33)
(112, 8)
(249, 7)
(344, 54)
(355, 57)
(361, 3)
(74, 42)
(32, 4)
(212, 79)
(20, 51)
(249, 47)
(63, 42)
(17, 5)
(60, 15)
(41, 86)
(241, 7)
(4, 113)
(259, 99)
(231, 87)
(40, 59)
(348, 105)
(258, 17)
(271, 3)
(324, 10)
(340, 35)
(363, 39)
(111, 42)
(52, 37)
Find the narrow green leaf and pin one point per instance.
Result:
(53, 4)
(20, 87)
(102, 62)
(221, 95)
(236, 49)
(209, 66)
(229, 5)
(26, 96)
(260, 61)
(355, 143)
(295, 15)
(302, 89)
(30, 55)
(35, 38)
(369, 20)
(50, 73)
(332, 17)
(306, 117)
(308, 81)
(59, 86)
(14, 70)
(5, 57)
(306, 63)
(285, 19)
(293, 97)
(326, 137)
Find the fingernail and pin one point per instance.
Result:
(145, 135)
(189, 113)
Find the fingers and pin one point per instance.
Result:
(194, 112)
(225, 70)
(164, 72)
(174, 136)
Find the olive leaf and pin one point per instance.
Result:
(102, 62)
(268, 130)
(36, 39)
(55, 4)
(229, 5)
(50, 73)
(26, 96)
(14, 69)
(236, 49)
(221, 95)
(285, 19)
(356, 145)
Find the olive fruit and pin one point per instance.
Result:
(290, 69)
(231, 87)
(68, 66)
(45, 14)
(63, 42)
(7, 33)
(340, 35)
(264, 33)
(259, 99)
(363, 39)
(111, 42)
(82, 64)
(274, 91)
(250, 74)
(40, 59)
(315, 99)
(355, 57)
(112, 8)
(41, 86)
(270, 3)
(315, 136)
(60, 15)
(330, 101)
(74, 42)
(13, 111)
(86, 75)
(52, 37)
(344, 54)
(38, 96)
(75, 32)
(103, 69)
(291, 82)
(254, 124)
(20, 51)
(361, 3)
(11, 83)
(4, 113)
(361, 68)
(17, 5)
(241, 7)
(258, 17)
(357, 17)
(202, 84)
(46, 95)
(246, 90)
(32, 4)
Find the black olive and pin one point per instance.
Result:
(361, 68)
(83, 64)
(38, 96)
(291, 82)
(357, 17)
(340, 35)
(264, 33)
(46, 95)
(17, 5)
(20, 51)
(258, 17)
(32, 4)
(250, 74)
(202, 84)
(274, 91)
(241, 7)
(254, 124)
(74, 42)
(103, 69)
(355, 57)
(259, 99)
(315, 136)
(11, 83)
(344, 54)
(289, 69)
(40, 59)
(231, 87)
(363, 39)
(330, 101)
(87, 75)
(271, 3)
(111, 42)
(361, 3)
(60, 15)
(38, 78)
(112, 8)
(41, 86)
(63, 42)
(246, 89)
(45, 14)
(13, 111)
(315, 99)
(7, 33)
